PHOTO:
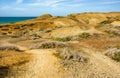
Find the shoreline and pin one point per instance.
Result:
(11, 20)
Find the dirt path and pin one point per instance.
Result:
(45, 65)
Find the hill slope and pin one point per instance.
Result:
(84, 45)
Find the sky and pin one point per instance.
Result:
(10, 8)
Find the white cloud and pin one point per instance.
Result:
(12, 8)
(45, 2)
(35, 4)
(19, 1)
(5, 7)
(19, 9)
(56, 3)
(110, 2)
(74, 5)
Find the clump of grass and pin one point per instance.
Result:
(62, 39)
(112, 33)
(106, 22)
(117, 57)
(10, 47)
(48, 30)
(17, 27)
(72, 38)
(70, 55)
(114, 53)
(84, 35)
(48, 44)
(34, 36)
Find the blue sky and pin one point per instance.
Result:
(55, 7)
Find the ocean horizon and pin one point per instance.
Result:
(7, 20)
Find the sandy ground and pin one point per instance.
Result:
(45, 65)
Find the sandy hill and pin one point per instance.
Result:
(48, 24)
(83, 45)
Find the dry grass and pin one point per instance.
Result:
(113, 53)
(48, 44)
(10, 47)
(11, 58)
(101, 43)
(70, 55)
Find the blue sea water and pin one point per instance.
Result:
(4, 20)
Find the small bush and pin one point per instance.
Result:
(106, 22)
(17, 27)
(73, 38)
(84, 35)
(10, 48)
(48, 44)
(112, 33)
(70, 55)
(62, 39)
(34, 36)
(114, 53)
(48, 30)
(117, 57)
(24, 25)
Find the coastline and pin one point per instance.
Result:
(10, 20)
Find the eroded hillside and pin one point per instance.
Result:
(47, 26)
(84, 45)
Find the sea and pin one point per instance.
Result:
(7, 20)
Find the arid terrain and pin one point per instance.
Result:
(83, 45)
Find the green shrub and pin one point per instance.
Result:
(62, 39)
(117, 56)
(17, 27)
(48, 44)
(113, 53)
(10, 48)
(112, 33)
(106, 22)
(84, 35)
(70, 55)
(47, 31)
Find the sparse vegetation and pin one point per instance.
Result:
(117, 57)
(84, 35)
(72, 46)
(62, 39)
(34, 36)
(69, 54)
(106, 22)
(114, 53)
(8, 47)
(17, 27)
(48, 44)
(12, 58)
(48, 30)
(112, 33)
